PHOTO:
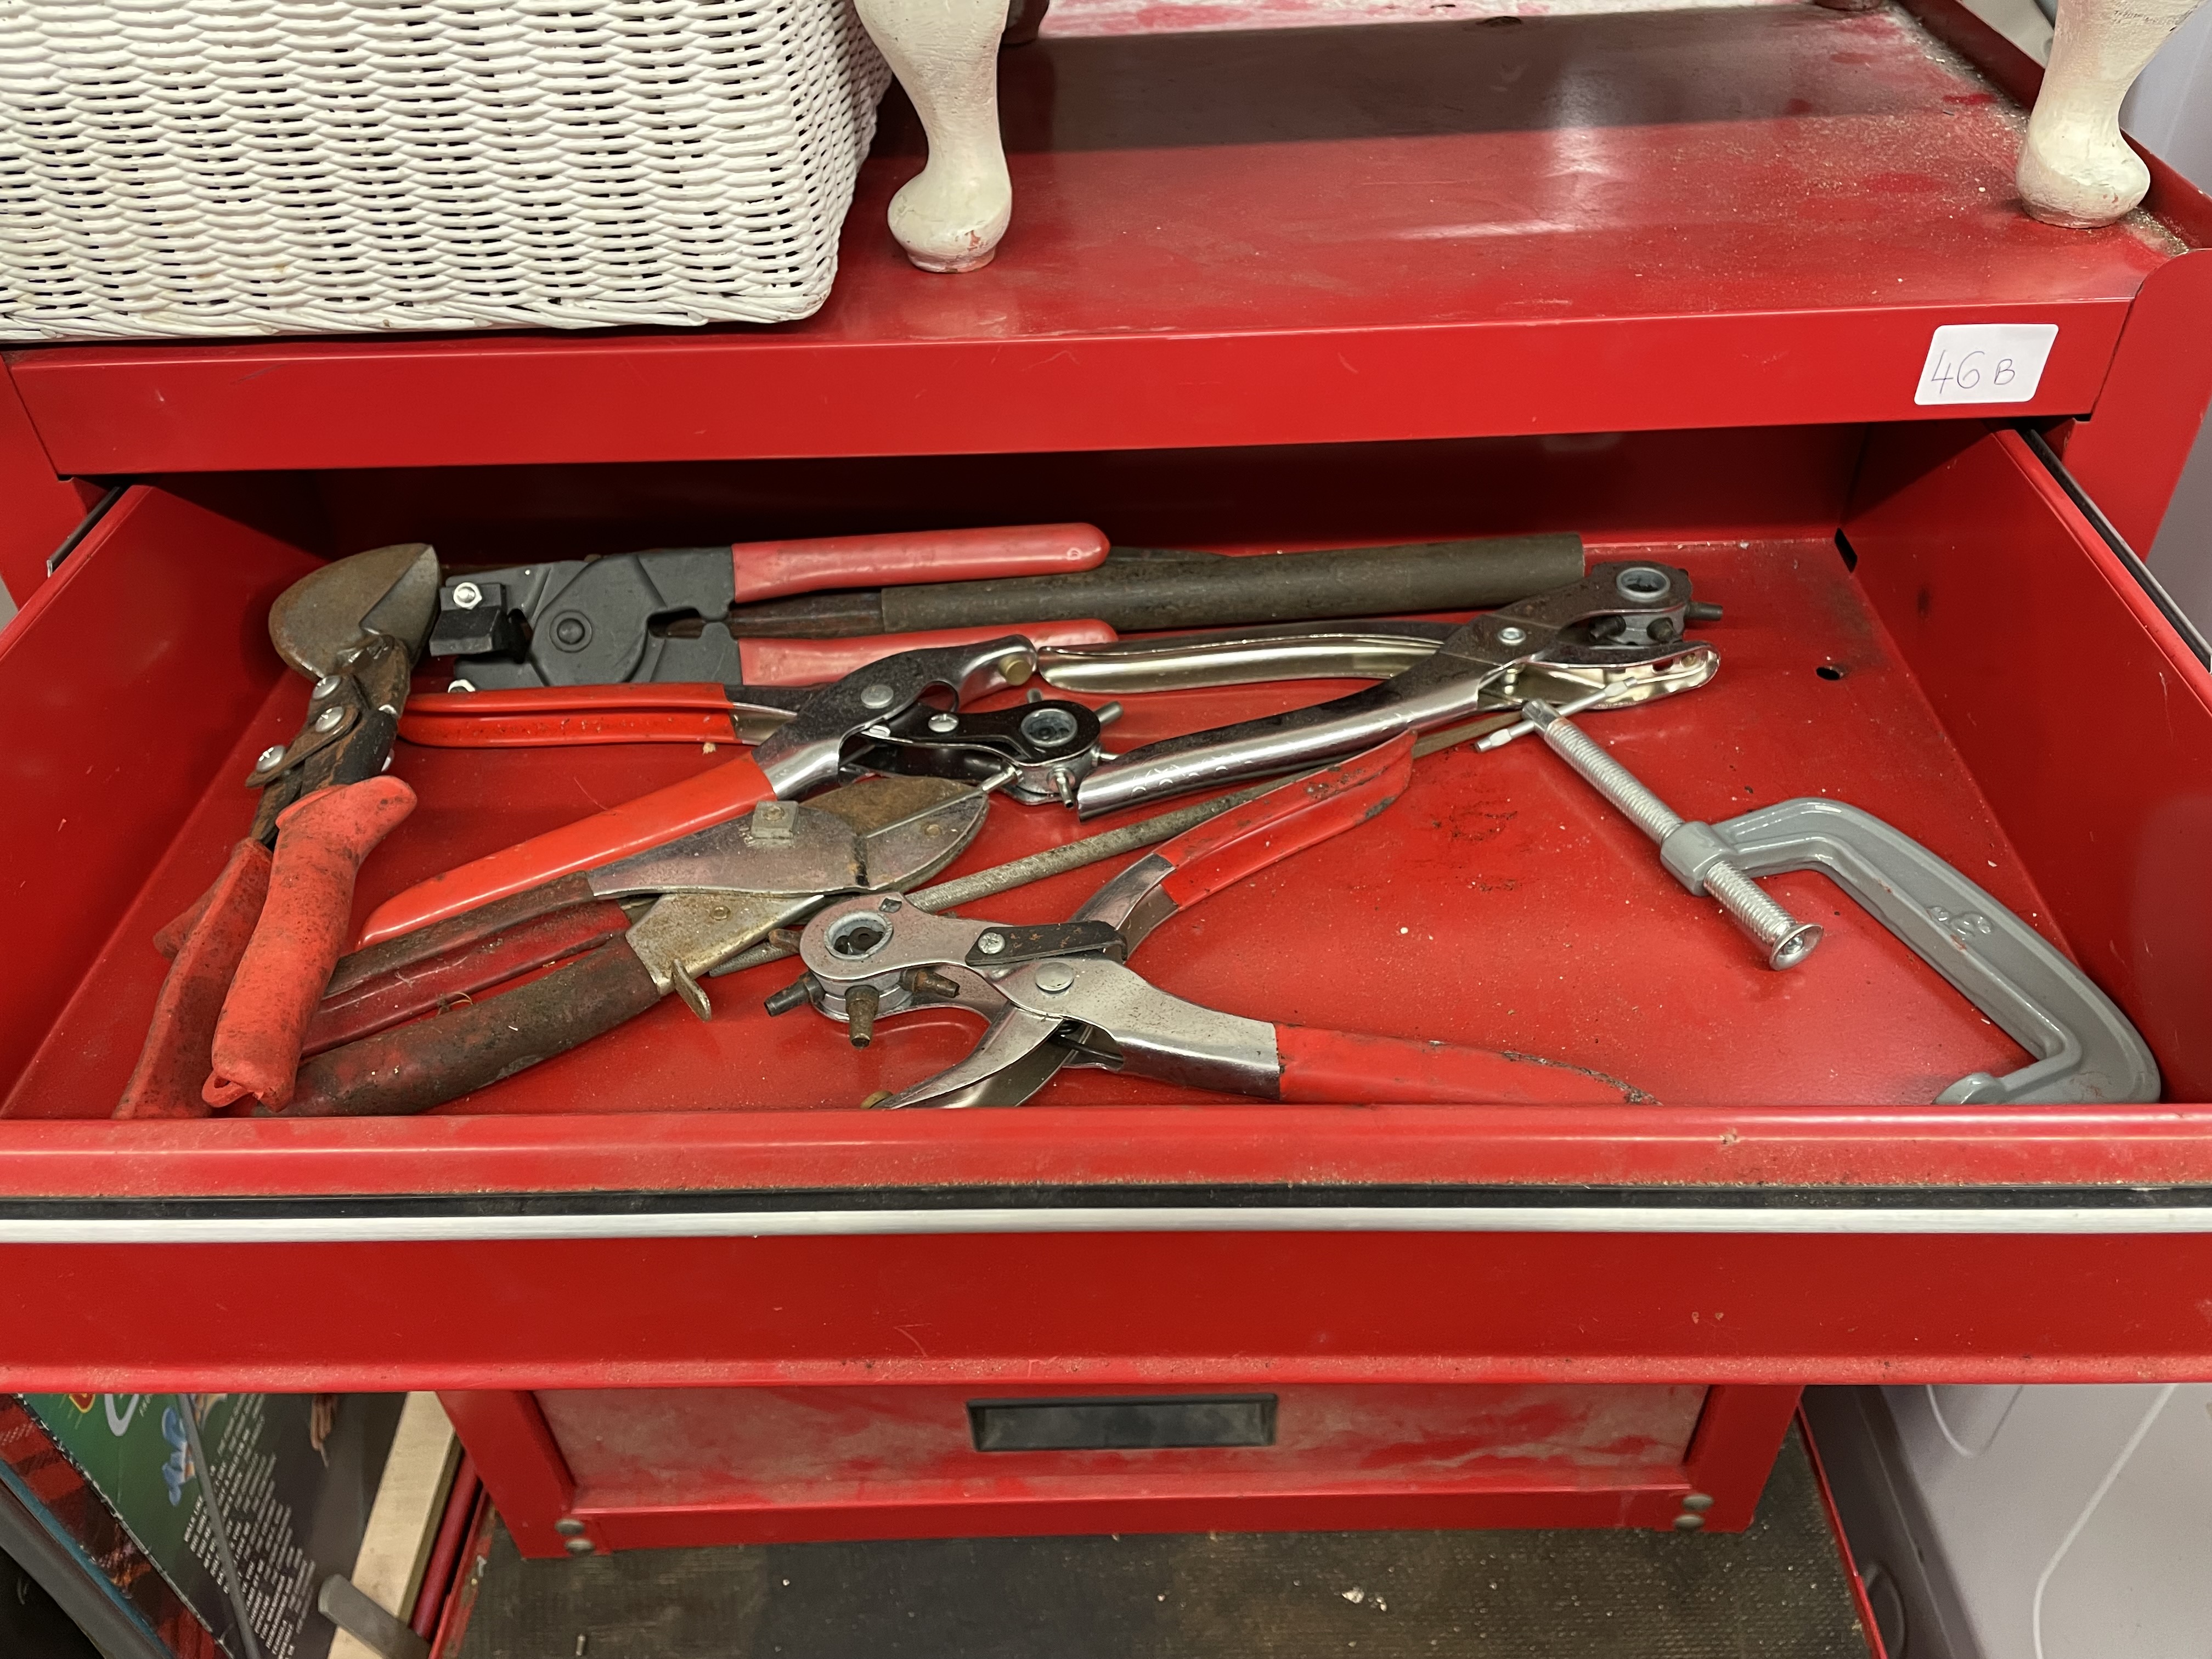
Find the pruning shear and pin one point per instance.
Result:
(1063, 995)
(625, 936)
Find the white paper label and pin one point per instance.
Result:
(1985, 362)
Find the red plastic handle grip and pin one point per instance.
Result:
(817, 662)
(561, 716)
(767, 570)
(712, 797)
(1302, 813)
(1329, 1067)
(322, 840)
(204, 946)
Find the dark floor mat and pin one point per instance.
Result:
(1776, 1591)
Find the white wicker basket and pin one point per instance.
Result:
(259, 166)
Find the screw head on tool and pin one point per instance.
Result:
(1794, 946)
(1053, 977)
(877, 694)
(943, 723)
(467, 595)
(269, 758)
(568, 1527)
(572, 632)
(460, 685)
(991, 943)
(324, 686)
(1512, 634)
(1689, 1522)
(328, 719)
(578, 1547)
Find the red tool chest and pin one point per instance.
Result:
(676, 1288)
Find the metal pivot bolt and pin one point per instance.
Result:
(1786, 941)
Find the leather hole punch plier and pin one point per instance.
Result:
(1063, 995)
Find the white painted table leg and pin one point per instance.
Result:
(2075, 168)
(946, 54)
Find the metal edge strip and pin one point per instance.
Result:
(2192, 637)
(99, 510)
(2088, 1219)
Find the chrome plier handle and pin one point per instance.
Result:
(1621, 628)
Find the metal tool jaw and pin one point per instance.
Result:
(811, 748)
(589, 622)
(1054, 996)
(725, 889)
(355, 627)
(2086, 1049)
(1035, 754)
(1622, 628)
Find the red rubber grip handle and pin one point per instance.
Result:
(1330, 1068)
(322, 840)
(767, 570)
(709, 797)
(1299, 814)
(817, 662)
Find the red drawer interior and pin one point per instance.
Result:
(1499, 902)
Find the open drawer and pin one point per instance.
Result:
(686, 1205)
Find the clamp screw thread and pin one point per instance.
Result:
(1787, 941)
